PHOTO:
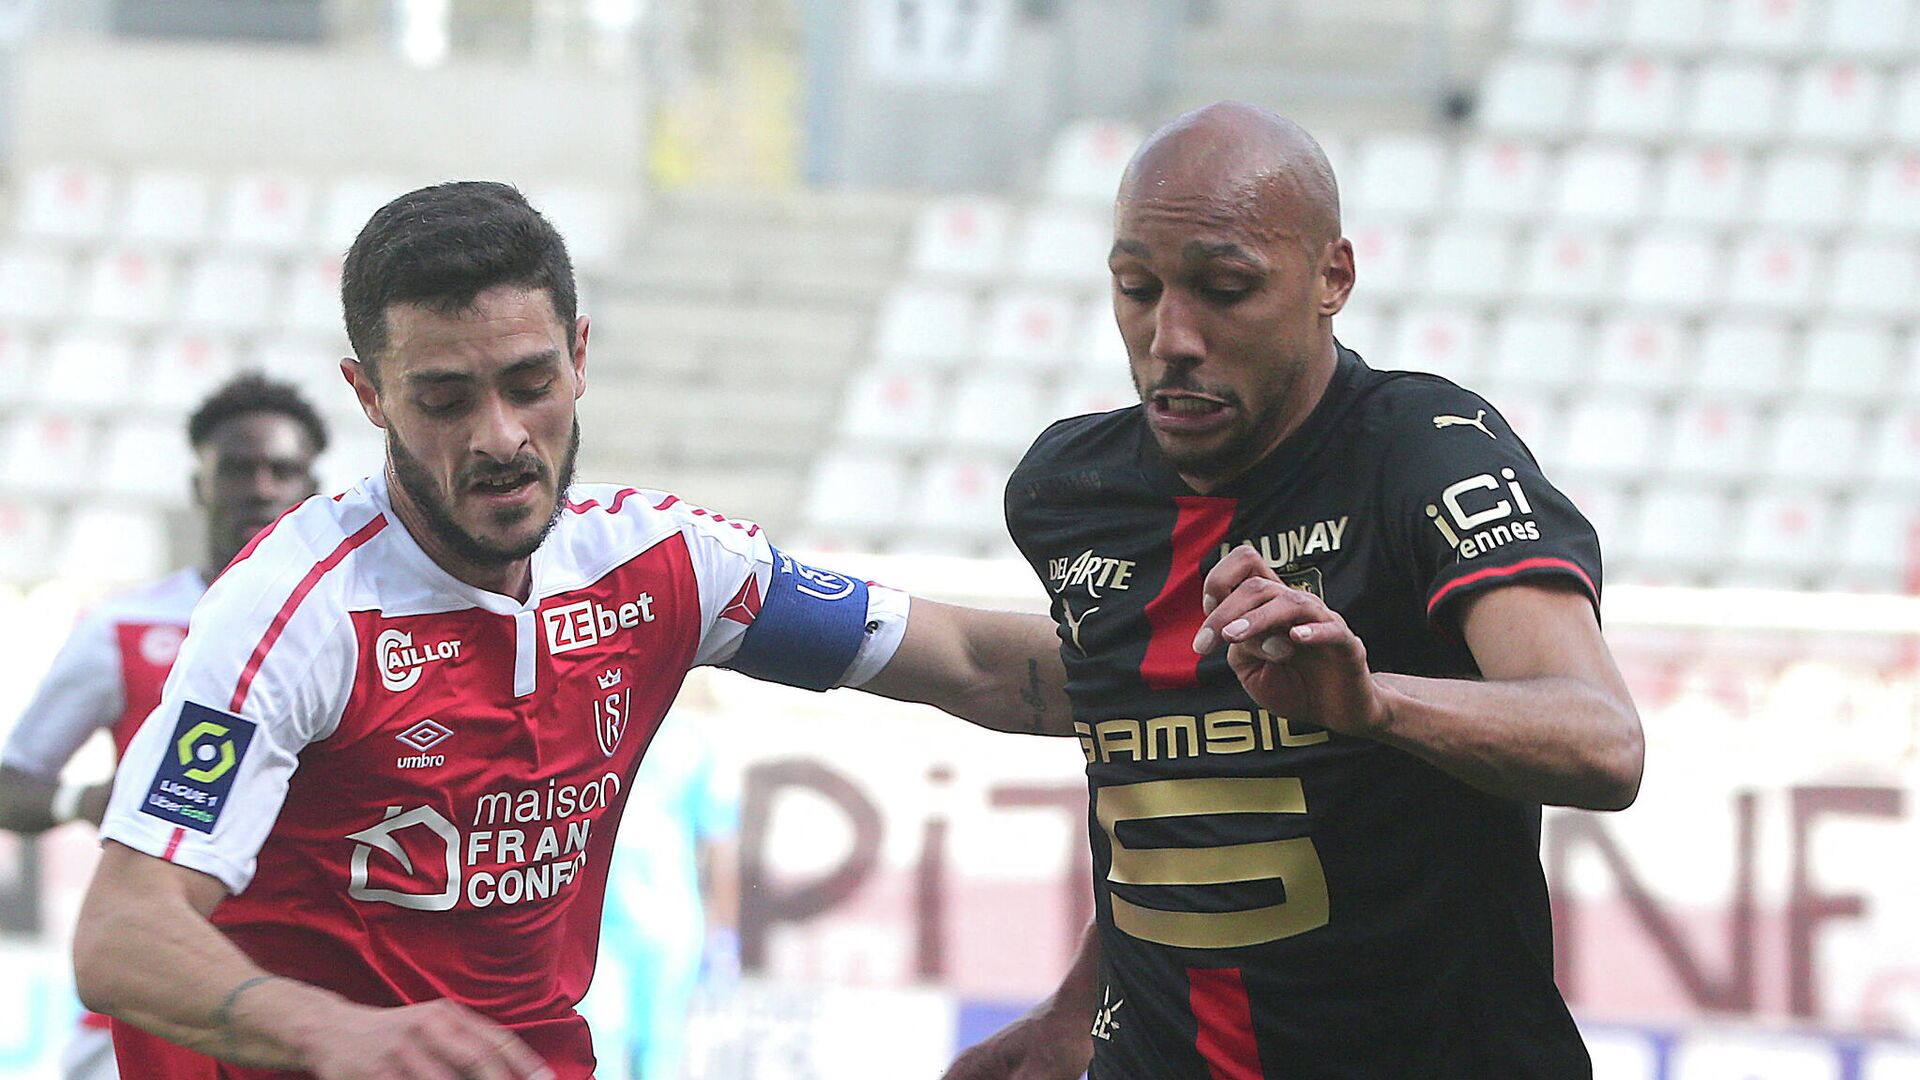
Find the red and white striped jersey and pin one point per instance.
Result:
(411, 785)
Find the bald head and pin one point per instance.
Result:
(1240, 159)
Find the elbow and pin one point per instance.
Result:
(1619, 769)
(92, 970)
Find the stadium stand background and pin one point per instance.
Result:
(845, 258)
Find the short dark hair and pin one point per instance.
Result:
(253, 392)
(440, 247)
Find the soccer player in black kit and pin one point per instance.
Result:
(1331, 640)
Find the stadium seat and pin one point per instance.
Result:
(1538, 423)
(1904, 122)
(1873, 276)
(1569, 264)
(72, 203)
(1867, 29)
(962, 238)
(592, 220)
(1806, 190)
(1365, 329)
(1537, 350)
(1500, 179)
(1768, 27)
(1634, 97)
(1735, 101)
(1030, 331)
(1704, 185)
(26, 540)
(1775, 273)
(1667, 26)
(21, 368)
(1098, 349)
(47, 454)
(1781, 539)
(115, 543)
(168, 208)
(147, 461)
(1063, 245)
(957, 496)
(313, 295)
(1580, 25)
(1088, 393)
(1442, 341)
(1639, 356)
(1836, 103)
(90, 371)
(1892, 200)
(313, 366)
(1601, 184)
(1879, 545)
(855, 493)
(996, 411)
(1399, 176)
(1682, 528)
(183, 368)
(1087, 160)
(129, 287)
(1712, 440)
(229, 293)
(1611, 438)
(36, 285)
(1607, 508)
(892, 408)
(1743, 360)
(347, 203)
(1468, 262)
(1893, 459)
(266, 212)
(1848, 363)
(1676, 269)
(1529, 95)
(1385, 259)
(925, 327)
(1806, 442)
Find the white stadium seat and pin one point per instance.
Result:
(186, 367)
(168, 208)
(1804, 443)
(230, 293)
(1538, 350)
(1087, 160)
(1893, 459)
(1607, 508)
(1880, 549)
(1029, 330)
(1892, 201)
(65, 202)
(1538, 424)
(1712, 440)
(348, 202)
(1775, 273)
(37, 285)
(1873, 276)
(1682, 528)
(891, 408)
(995, 411)
(855, 492)
(1441, 341)
(119, 544)
(592, 220)
(1674, 270)
(1500, 178)
(312, 303)
(1611, 438)
(1768, 27)
(1468, 262)
(1567, 24)
(1784, 540)
(1868, 29)
(1399, 176)
(1904, 124)
(1529, 95)
(90, 371)
(1099, 352)
(1668, 26)
(1087, 393)
(46, 454)
(1063, 245)
(963, 238)
(925, 327)
(21, 368)
(1602, 184)
(1634, 97)
(958, 496)
(1805, 190)
(1837, 103)
(1639, 356)
(147, 461)
(27, 530)
(266, 212)
(1743, 360)
(1385, 259)
(1849, 362)
(129, 287)
(1569, 264)
(1735, 101)
(1704, 185)
(313, 366)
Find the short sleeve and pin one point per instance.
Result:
(265, 670)
(80, 694)
(1473, 509)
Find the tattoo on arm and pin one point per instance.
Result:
(223, 1012)
(1033, 698)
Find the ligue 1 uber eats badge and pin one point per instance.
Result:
(190, 787)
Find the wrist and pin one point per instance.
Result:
(1383, 715)
(299, 1018)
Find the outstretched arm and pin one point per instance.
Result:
(30, 803)
(998, 669)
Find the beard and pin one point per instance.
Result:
(419, 485)
(1242, 444)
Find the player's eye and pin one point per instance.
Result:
(533, 393)
(1141, 289)
(441, 405)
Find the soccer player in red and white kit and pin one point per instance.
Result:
(254, 443)
(366, 832)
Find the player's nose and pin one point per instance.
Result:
(1176, 331)
(499, 431)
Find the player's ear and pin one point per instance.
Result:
(365, 389)
(579, 356)
(1336, 276)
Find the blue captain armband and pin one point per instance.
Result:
(810, 627)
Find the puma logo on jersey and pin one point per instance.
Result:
(1479, 421)
(1104, 1025)
(1073, 624)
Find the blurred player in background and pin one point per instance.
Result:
(1316, 769)
(254, 442)
(673, 903)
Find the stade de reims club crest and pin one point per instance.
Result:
(610, 709)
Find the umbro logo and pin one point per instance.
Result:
(422, 737)
(1479, 421)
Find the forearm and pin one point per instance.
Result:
(26, 801)
(998, 669)
(1561, 741)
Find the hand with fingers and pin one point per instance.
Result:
(1295, 656)
(436, 1040)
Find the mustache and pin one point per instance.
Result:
(1184, 382)
(525, 464)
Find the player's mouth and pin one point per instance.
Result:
(1183, 412)
(506, 489)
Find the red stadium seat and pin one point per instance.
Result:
(1579, 25)
(1742, 359)
(168, 208)
(37, 285)
(1634, 96)
(72, 203)
(90, 371)
(266, 212)
(1640, 356)
(1569, 264)
(923, 327)
(130, 286)
(1675, 269)
(230, 293)
(1667, 26)
(1529, 95)
(1837, 103)
(1538, 350)
(1775, 274)
(1712, 441)
(184, 367)
(1735, 101)
(1868, 29)
(1892, 201)
(1768, 27)
(1029, 330)
(962, 238)
(1602, 184)
(1500, 179)
(1469, 262)
(1704, 185)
